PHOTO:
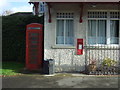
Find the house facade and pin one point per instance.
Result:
(96, 23)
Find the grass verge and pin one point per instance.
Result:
(11, 68)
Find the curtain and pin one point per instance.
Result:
(92, 31)
(60, 32)
(101, 39)
(96, 31)
(114, 31)
(69, 33)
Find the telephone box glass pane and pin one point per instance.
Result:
(33, 46)
(33, 38)
(34, 34)
(34, 42)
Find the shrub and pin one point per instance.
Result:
(13, 36)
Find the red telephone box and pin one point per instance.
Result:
(79, 46)
(34, 46)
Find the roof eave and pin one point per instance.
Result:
(74, 0)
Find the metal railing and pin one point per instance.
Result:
(102, 59)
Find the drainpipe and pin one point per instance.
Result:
(49, 11)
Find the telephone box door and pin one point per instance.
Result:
(34, 46)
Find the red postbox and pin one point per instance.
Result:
(34, 46)
(79, 46)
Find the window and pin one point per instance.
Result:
(97, 32)
(114, 31)
(65, 32)
(103, 27)
(97, 14)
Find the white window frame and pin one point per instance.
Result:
(64, 30)
(108, 19)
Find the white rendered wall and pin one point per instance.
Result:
(65, 57)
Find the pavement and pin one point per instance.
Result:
(60, 80)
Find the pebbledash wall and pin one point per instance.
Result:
(65, 56)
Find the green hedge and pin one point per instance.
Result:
(13, 36)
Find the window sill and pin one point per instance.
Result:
(62, 47)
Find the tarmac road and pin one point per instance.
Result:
(41, 81)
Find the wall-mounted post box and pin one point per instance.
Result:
(34, 46)
(79, 47)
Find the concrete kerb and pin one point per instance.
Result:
(78, 75)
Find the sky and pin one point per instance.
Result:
(15, 6)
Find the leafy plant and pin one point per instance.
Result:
(108, 62)
(92, 66)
